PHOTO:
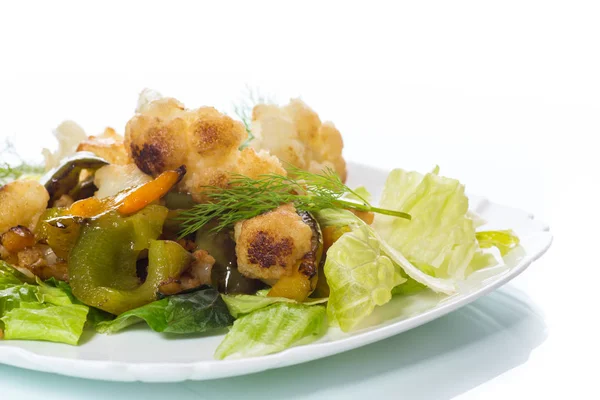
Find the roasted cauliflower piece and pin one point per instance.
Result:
(272, 245)
(109, 145)
(295, 134)
(69, 135)
(22, 202)
(72, 138)
(164, 135)
(111, 179)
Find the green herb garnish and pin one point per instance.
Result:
(246, 198)
(10, 173)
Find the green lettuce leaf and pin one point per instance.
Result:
(337, 217)
(12, 296)
(505, 241)
(360, 193)
(38, 312)
(54, 295)
(272, 329)
(441, 234)
(360, 276)
(35, 321)
(95, 315)
(10, 276)
(240, 304)
(411, 286)
(199, 311)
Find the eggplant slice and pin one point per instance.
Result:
(64, 179)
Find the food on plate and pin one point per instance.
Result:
(295, 134)
(194, 221)
(164, 135)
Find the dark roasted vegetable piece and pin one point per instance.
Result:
(17, 238)
(179, 201)
(64, 179)
(102, 265)
(84, 189)
(225, 275)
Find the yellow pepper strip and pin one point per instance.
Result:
(296, 287)
(304, 278)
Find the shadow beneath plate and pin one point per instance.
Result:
(439, 360)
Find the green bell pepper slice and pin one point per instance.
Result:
(60, 237)
(102, 265)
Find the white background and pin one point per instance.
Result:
(502, 95)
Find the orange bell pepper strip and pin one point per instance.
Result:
(131, 200)
(90, 207)
(151, 191)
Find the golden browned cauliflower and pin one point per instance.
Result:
(22, 202)
(109, 145)
(164, 135)
(72, 138)
(295, 134)
(270, 245)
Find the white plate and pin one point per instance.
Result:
(142, 355)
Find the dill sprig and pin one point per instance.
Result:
(10, 173)
(246, 198)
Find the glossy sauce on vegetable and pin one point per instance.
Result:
(225, 275)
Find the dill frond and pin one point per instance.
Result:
(247, 198)
(10, 173)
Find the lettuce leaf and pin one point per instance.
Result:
(11, 296)
(360, 193)
(240, 304)
(95, 315)
(34, 321)
(411, 286)
(272, 329)
(338, 217)
(38, 312)
(10, 276)
(441, 234)
(504, 241)
(199, 311)
(360, 276)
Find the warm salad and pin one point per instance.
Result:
(193, 221)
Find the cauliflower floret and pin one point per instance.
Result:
(69, 135)
(295, 134)
(165, 135)
(111, 179)
(72, 138)
(270, 245)
(23, 201)
(109, 145)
